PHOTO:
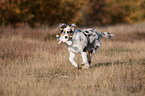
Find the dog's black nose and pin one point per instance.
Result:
(65, 36)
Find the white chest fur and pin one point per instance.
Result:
(78, 43)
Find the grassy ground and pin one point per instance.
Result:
(33, 64)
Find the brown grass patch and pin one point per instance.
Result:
(32, 65)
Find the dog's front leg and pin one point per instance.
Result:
(85, 60)
(71, 59)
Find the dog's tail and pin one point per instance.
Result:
(107, 35)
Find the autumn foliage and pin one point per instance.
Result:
(82, 12)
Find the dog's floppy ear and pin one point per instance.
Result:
(73, 27)
(62, 26)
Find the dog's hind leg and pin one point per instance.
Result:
(71, 59)
(89, 57)
(91, 54)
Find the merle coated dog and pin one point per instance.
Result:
(85, 42)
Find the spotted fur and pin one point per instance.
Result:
(85, 42)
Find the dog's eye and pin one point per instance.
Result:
(61, 31)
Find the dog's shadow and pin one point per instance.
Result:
(106, 64)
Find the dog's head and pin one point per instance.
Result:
(67, 32)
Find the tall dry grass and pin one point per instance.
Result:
(33, 64)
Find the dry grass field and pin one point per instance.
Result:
(33, 64)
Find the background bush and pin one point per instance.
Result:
(82, 12)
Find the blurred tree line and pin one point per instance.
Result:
(81, 12)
